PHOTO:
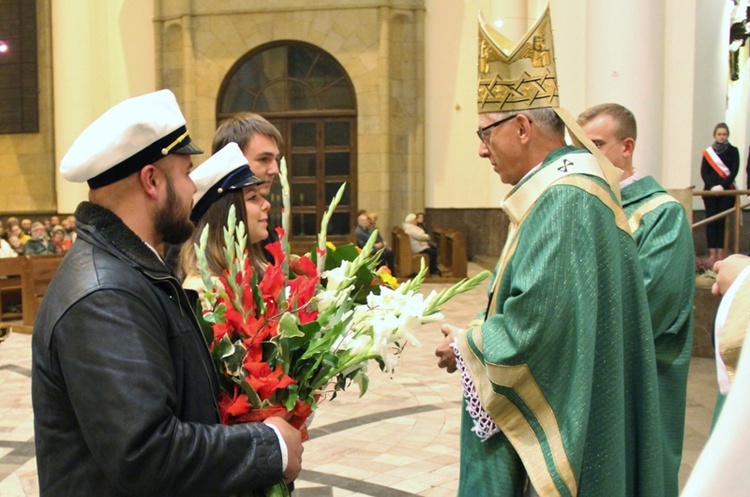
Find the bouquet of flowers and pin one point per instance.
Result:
(283, 341)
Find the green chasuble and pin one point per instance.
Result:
(665, 249)
(564, 361)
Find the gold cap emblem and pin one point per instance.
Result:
(519, 77)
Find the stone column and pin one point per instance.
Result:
(102, 54)
(625, 54)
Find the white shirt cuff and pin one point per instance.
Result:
(282, 445)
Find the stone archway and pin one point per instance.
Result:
(306, 93)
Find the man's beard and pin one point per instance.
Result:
(172, 223)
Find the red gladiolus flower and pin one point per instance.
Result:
(275, 250)
(225, 328)
(303, 290)
(225, 284)
(254, 352)
(264, 381)
(303, 266)
(272, 282)
(233, 406)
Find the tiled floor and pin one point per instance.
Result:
(400, 439)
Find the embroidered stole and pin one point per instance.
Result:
(519, 203)
(637, 215)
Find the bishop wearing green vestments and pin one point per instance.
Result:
(559, 372)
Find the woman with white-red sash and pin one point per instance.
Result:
(719, 167)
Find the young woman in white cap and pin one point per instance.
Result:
(223, 181)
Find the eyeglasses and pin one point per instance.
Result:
(484, 133)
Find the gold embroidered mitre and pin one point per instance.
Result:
(519, 77)
(523, 76)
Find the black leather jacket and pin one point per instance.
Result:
(122, 383)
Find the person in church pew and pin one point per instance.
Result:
(39, 243)
(58, 238)
(21, 238)
(420, 242)
(6, 250)
(26, 226)
(362, 233)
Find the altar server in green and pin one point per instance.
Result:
(667, 257)
(559, 373)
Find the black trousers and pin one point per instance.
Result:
(715, 230)
(386, 259)
(432, 252)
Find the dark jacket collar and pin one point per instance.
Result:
(98, 224)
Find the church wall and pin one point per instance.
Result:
(103, 53)
(686, 48)
(26, 159)
(598, 59)
(416, 118)
(379, 44)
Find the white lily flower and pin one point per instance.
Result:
(362, 315)
(354, 344)
(336, 278)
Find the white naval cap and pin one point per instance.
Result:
(132, 134)
(223, 172)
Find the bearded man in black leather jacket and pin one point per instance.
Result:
(123, 386)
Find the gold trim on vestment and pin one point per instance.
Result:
(508, 250)
(513, 423)
(635, 218)
(519, 201)
(590, 186)
(580, 139)
(735, 328)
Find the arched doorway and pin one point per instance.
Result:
(309, 97)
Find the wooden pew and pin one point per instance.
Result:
(39, 270)
(455, 253)
(406, 263)
(439, 237)
(11, 285)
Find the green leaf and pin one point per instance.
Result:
(288, 327)
(299, 344)
(330, 360)
(346, 252)
(233, 357)
(252, 396)
(205, 326)
(362, 381)
(218, 315)
(277, 490)
(292, 397)
(223, 347)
